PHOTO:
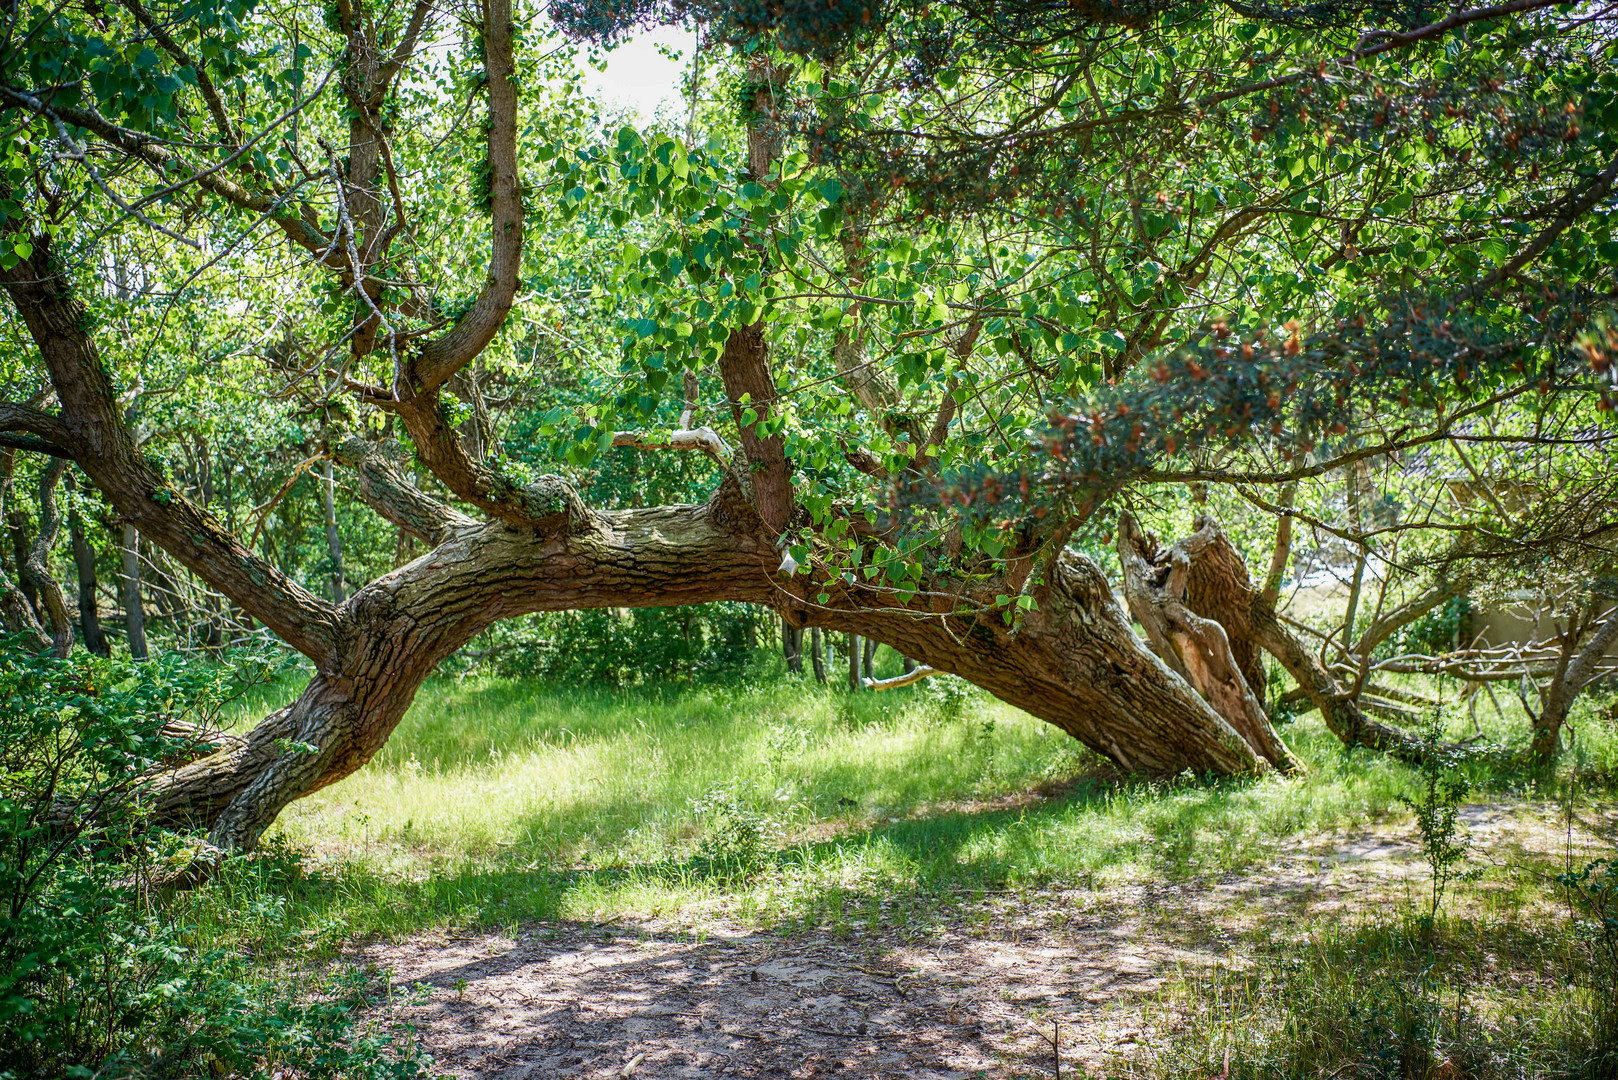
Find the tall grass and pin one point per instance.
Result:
(785, 805)
(499, 801)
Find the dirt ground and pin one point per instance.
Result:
(999, 989)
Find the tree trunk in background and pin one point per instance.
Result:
(334, 539)
(36, 566)
(19, 555)
(909, 665)
(1574, 671)
(404, 549)
(134, 610)
(792, 646)
(214, 630)
(869, 662)
(17, 617)
(162, 586)
(817, 653)
(84, 562)
(854, 684)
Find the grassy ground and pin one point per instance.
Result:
(780, 805)
(910, 815)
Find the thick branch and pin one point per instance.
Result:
(546, 504)
(705, 439)
(1219, 589)
(906, 679)
(387, 490)
(745, 368)
(94, 430)
(1197, 648)
(443, 356)
(1586, 666)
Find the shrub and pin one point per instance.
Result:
(99, 973)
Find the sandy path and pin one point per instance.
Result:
(983, 993)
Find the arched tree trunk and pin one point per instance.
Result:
(1069, 656)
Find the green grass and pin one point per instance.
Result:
(787, 806)
(1493, 998)
(498, 802)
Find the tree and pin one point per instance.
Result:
(954, 286)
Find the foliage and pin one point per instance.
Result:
(97, 975)
(1441, 787)
(1435, 633)
(614, 647)
(735, 836)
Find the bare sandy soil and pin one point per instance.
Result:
(996, 989)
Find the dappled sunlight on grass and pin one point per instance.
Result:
(498, 802)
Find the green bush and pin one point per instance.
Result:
(99, 971)
(617, 647)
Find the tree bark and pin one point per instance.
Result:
(792, 646)
(36, 568)
(1197, 648)
(134, 608)
(17, 616)
(817, 655)
(1575, 670)
(869, 660)
(84, 563)
(334, 539)
(1218, 588)
(855, 685)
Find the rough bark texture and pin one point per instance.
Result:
(1156, 583)
(17, 616)
(744, 366)
(1218, 588)
(36, 569)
